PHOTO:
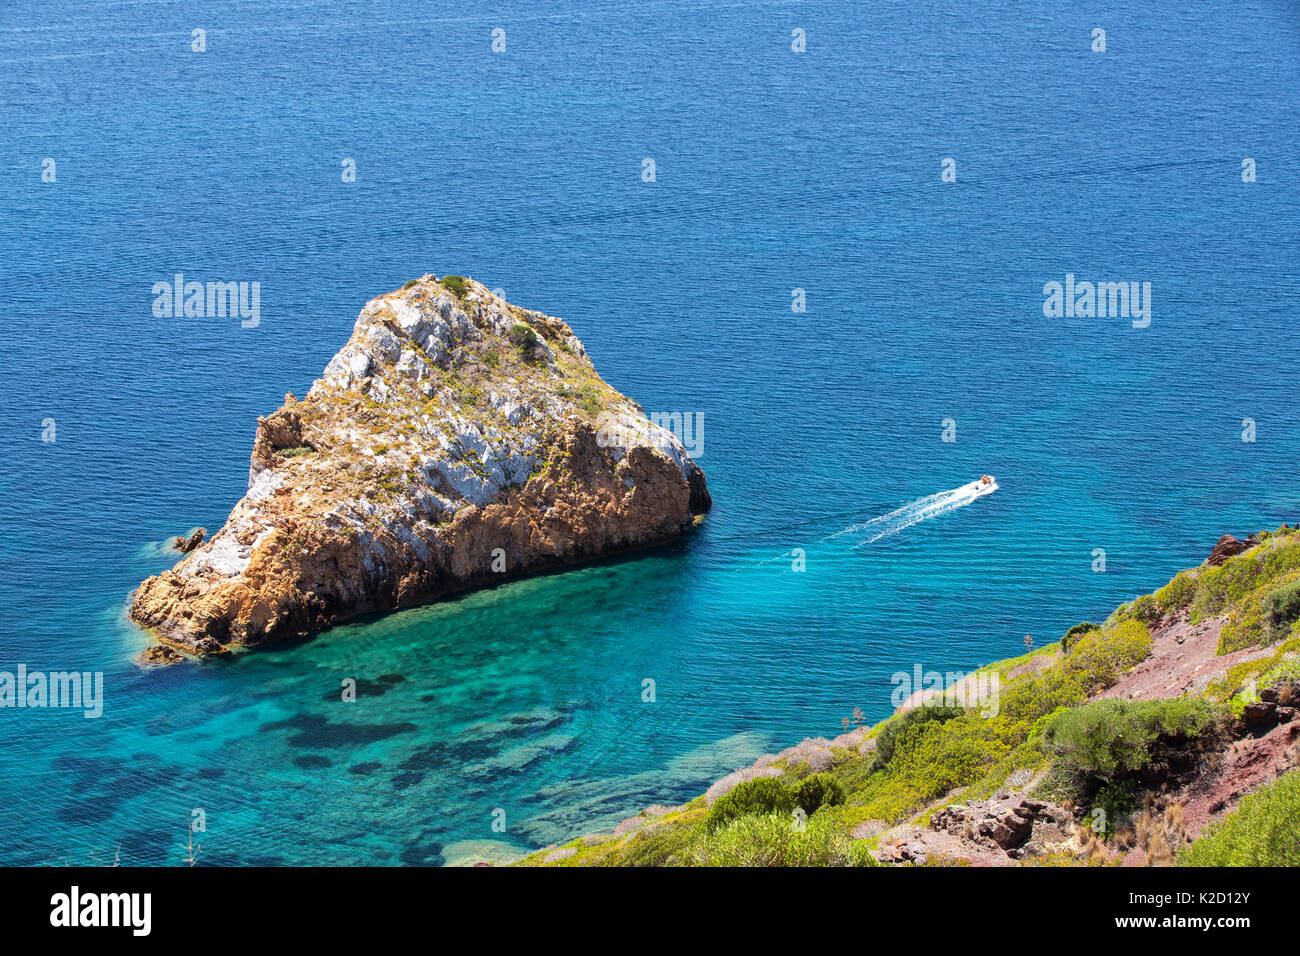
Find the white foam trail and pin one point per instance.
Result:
(922, 509)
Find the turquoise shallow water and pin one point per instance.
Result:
(775, 171)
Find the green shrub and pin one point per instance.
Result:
(409, 283)
(1281, 608)
(587, 396)
(1145, 609)
(1099, 658)
(1107, 739)
(760, 795)
(1121, 613)
(1097, 740)
(1074, 633)
(1264, 830)
(1264, 615)
(1178, 593)
(888, 738)
(665, 845)
(933, 757)
(1284, 671)
(1116, 800)
(817, 790)
(524, 339)
(456, 284)
(774, 840)
(1219, 589)
(1182, 717)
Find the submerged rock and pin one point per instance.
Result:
(187, 544)
(455, 441)
(160, 654)
(480, 853)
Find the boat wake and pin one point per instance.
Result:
(922, 509)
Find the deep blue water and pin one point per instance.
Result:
(775, 171)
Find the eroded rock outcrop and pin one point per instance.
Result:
(455, 441)
(1228, 547)
(992, 832)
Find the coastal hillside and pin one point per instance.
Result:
(455, 441)
(1167, 734)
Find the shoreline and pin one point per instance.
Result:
(1185, 656)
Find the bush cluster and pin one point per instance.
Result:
(456, 284)
(817, 790)
(1074, 633)
(1178, 593)
(525, 340)
(769, 795)
(1264, 615)
(1281, 608)
(774, 840)
(1232, 583)
(887, 741)
(1146, 609)
(1264, 830)
(1108, 739)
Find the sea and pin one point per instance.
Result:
(824, 233)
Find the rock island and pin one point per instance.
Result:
(455, 441)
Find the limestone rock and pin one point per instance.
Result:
(441, 450)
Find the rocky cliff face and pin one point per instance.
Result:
(456, 441)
